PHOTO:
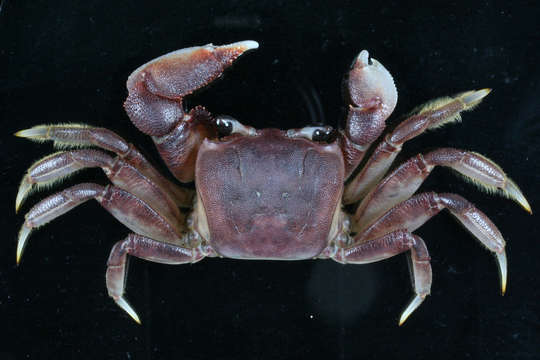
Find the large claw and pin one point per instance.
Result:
(156, 88)
(154, 103)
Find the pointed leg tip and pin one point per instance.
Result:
(480, 94)
(21, 242)
(413, 305)
(525, 205)
(513, 192)
(503, 270)
(24, 190)
(127, 308)
(522, 201)
(485, 91)
(26, 133)
(38, 132)
(471, 98)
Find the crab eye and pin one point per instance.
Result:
(325, 134)
(224, 126)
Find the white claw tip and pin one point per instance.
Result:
(127, 308)
(244, 45)
(415, 303)
(503, 269)
(362, 59)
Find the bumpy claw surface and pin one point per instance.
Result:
(156, 88)
(373, 97)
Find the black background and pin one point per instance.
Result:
(68, 62)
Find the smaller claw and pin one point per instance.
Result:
(21, 242)
(501, 261)
(127, 308)
(413, 305)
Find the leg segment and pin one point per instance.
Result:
(432, 115)
(77, 135)
(154, 104)
(407, 178)
(414, 212)
(389, 245)
(373, 97)
(54, 167)
(143, 248)
(124, 206)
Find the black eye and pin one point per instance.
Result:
(224, 127)
(327, 134)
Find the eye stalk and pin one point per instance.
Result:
(227, 125)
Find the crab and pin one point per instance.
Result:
(265, 194)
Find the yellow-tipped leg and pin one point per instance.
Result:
(127, 308)
(21, 243)
(415, 303)
(36, 133)
(513, 192)
(24, 189)
(503, 269)
(471, 98)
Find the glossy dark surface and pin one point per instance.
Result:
(69, 62)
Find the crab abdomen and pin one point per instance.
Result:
(269, 196)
